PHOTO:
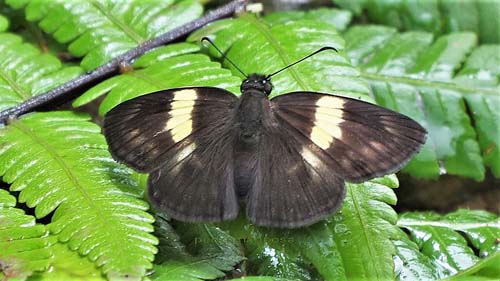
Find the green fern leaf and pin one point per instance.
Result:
(208, 252)
(210, 243)
(163, 69)
(451, 241)
(486, 269)
(24, 247)
(263, 259)
(339, 19)
(26, 72)
(364, 228)
(274, 252)
(481, 70)
(438, 16)
(260, 278)
(189, 271)
(66, 264)
(59, 162)
(101, 31)
(4, 23)
(410, 264)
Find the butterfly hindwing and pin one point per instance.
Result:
(289, 190)
(197, 183)
(355, 139)
(183, 138)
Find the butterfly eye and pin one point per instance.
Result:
(268, 87)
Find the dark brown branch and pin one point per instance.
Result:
(65, 91)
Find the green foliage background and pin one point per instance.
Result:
(68, 211)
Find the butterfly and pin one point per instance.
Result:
(285, 159)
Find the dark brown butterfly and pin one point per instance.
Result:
(286, 158)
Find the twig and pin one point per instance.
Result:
(111, 68)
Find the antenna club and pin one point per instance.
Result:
(302, 59)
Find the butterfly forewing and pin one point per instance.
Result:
(184, 138)
(355, 139)
(142, 132)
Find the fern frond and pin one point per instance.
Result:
(208, 252)
(410, 264)
(268, 260)
(165, 68)
(339, 19)
(261, 278)
(481, 70)
(4, 23)
(59, 162)
(24, 246)
(101, 31)
(290, 254)
(212, 244)
(365, 218)
(456, 241)
(66, 264)
(185, 270)
(26, 72)
(441, 16)
(487, 269)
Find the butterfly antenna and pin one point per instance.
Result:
(223, 55)
(302, 59)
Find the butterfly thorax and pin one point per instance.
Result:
(254, 107)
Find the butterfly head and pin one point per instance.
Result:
(257, 82)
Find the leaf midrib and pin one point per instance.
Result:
(440, 85)
(15, 86)
(455, 226)
(60, 161)
(265, 30)
(179, 267)
(118, 23)
(450, 260)
(362, 220)
(148, 79)
(213, 238)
